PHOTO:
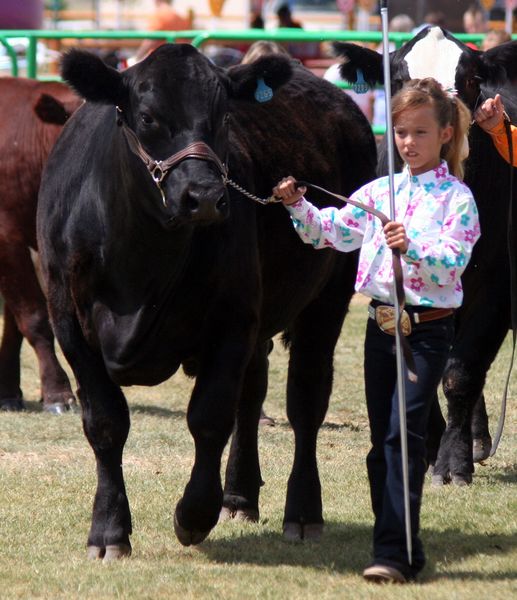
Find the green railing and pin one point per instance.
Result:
(197, 38)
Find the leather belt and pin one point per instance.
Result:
(384, 315)
(431, 315)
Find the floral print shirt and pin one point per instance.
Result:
(441, 221)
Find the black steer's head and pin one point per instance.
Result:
(435, 53)
(172, 99)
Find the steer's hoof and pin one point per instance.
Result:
(59, 403)
(250, 515)
(109, 553)
(186, 537)
(296, 532)
(56, 408)
(11, 404)
(462, 480)
(114, 552)
(225, 515)
(439, 480)
(94, 552)
(481, 448)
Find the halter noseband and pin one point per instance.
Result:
(158, 169)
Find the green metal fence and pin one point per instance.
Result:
(197, 38)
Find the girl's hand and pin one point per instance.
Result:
(490, 113)
(395, 234)
(287, 190)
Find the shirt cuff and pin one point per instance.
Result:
(412, 255)
(298, 207)
(498, 129)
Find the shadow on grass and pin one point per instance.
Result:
(508, 475)
(156, 411)
(283, 423)
(346, 549)
(36, 406)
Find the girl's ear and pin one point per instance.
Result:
(446, 134)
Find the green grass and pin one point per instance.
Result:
(47, 480)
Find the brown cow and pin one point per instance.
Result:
(32, 114)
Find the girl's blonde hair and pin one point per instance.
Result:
(449, 110)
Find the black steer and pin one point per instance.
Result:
(483, 320)
(143, 277)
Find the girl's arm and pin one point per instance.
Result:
(342, 229)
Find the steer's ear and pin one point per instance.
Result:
(275, 70)
(356, 57)
(91, 78)
(50, 110)
(505, 56)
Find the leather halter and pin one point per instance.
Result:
(159, 169)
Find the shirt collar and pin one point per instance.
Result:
(436, 175)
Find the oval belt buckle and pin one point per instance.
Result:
(386, 320)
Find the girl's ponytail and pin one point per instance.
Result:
(456, 151)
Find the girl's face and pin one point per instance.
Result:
(419, 138)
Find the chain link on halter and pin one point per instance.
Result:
(239, 188)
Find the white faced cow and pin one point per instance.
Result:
(483, 320)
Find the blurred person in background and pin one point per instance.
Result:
(285, 17)
(494, 38)
(475, 19)
(165, 18)
(263, 48)
(257, 21)
(302, 50)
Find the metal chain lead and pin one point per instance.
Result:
(240, 189)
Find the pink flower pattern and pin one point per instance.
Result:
(435, 209)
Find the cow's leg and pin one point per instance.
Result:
(481, 438)
(211, 415)
(473, 352)
(435, 428)
(24, 298)
(243, 478)
(11, 397)
(105, 418)
(313, 337)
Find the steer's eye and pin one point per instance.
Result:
(146, 118)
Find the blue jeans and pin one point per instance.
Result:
(430, 343)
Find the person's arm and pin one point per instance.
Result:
(341, 229)
(490, 117)
(144, 49)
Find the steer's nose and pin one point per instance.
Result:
(206, 204)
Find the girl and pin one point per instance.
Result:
(435, 228)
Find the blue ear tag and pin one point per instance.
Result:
(263, 93)
(360, 86)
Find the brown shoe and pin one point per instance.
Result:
(383, 574)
